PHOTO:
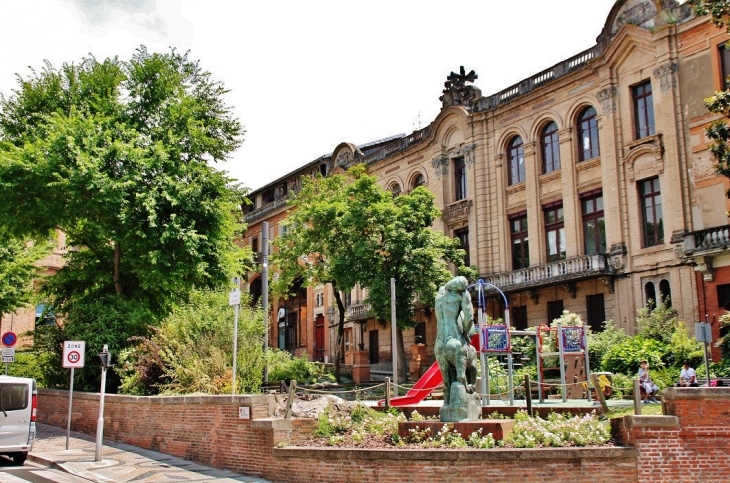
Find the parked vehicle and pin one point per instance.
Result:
(18, 408)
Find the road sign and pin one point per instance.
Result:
(234, 297)
(8, 359)
(8, 352)
(9, 339)
(73, 354)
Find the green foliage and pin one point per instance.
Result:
(600, 342)
(285, 367)
(622, 385)
(27, 364)
(18, 270)
(550, 340)
(657, 323)
(192, 350)
(724, 342)
(119, 154)
(524, 345)
(557, 430)
(625, 356)
(665, 376)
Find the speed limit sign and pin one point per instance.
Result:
(73, 353)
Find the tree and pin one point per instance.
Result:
(719, 103)
(347, 230)
(117, 154)
(18, 270)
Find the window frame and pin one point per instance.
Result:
(597, 216)
(521, 236)
(643, 101)
(550, 148)
(724, 54)
(557, 227)
(460, 186)
(658, 226)
(515, 153)
(418, 180)
(462, 234)
(588, 123)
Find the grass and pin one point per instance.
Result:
(646, 410)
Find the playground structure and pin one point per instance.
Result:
(496, 340)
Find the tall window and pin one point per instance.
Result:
(519, 317)
(516, 154)
(650, 295)
(643, 110)
(555, 233)
(651, 208)
(520, 244)
(463, 237)
(723, 296)
(419, 180)
(255, 244)
(555, 310)
(588, 134)
(459, 179)
(596, 312)
(550, 148)
(395, 189)
(725, 64)
(420, 333)
(665, 292)
(594, 225)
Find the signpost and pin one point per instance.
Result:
(73, 357)
(234, 299)
(9, 339)
(703, 333)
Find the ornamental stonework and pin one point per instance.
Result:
(666, 74)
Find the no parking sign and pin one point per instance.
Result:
(73, 354)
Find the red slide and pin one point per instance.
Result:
(423, 388)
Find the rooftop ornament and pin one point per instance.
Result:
(457, 93)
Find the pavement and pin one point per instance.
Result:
(120, 462)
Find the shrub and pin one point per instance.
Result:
(285, 367)
(600, 342)
(625, 356)
(622, 385)
(683, 347)
(724, 342)
(556, 430)
(658, 323)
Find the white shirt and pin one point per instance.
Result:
(686, 375)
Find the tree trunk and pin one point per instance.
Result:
(117, 261)
(403, 363)
(340, 331)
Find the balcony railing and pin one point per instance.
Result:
(357, 312)
(572, 269)
(266, 209)
(396, 146)
(707, 241)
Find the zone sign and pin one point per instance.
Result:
(73, 354)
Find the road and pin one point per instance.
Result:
(34, 473)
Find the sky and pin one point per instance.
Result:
(305, 76)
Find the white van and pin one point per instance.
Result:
(18, 408)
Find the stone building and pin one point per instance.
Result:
(587, 187)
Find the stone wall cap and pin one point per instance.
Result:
(696, 393)
(633, 421)
(277, 424)
(242, 399)
(516, 454)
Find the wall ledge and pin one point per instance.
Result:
(672, 393)
(650, 422)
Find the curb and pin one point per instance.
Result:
(48, 463)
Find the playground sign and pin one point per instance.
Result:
(73, 354)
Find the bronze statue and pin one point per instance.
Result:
(454, 353)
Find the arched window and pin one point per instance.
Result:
(650, 295)
(588, 134)
(419, 180)
(666, 292)
(550, 148)
(516, 155)
(395, 189)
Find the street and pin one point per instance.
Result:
(34, 473)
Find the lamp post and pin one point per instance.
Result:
(331, 319)
(265, 292)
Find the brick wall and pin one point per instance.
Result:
(690, 444)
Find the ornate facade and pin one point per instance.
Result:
(588, 186)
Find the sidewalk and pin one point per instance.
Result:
(120, 462)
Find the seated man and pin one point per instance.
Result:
(687, 377)
(648, 388)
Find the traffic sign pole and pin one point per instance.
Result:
(70, 404)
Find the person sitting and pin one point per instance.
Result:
(649, 389)
(688, 376)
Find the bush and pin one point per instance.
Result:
(625, 356)
(557, 430)
(284, 367)
(600, 342)
(683, 347)
(658, 323)
(622, 385)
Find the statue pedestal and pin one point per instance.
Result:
(462, 405)
(361, 367)
(499, 428)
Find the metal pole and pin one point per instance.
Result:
(394, 332)
(265, 292)
(561, 357)
(100, 421)
(538, 358)
(235, 347)
(70, 402)
(707, 365)
(484, 386)
(510, 361)
(588, 366)
(528, 395)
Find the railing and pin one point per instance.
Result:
(555, 72)
(712, 239)
(560, 271)
(265, 209)
(396, 146)
(357, 312)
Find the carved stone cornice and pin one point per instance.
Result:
(666, 75)
(344, 159)
(607, 98)
(617, 257)
(704, 266)
(440, 166)
(468, 152)
(651, 144)
(534, 295)
(571, 288)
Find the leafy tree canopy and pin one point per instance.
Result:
(117, 155)
(18, 269)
